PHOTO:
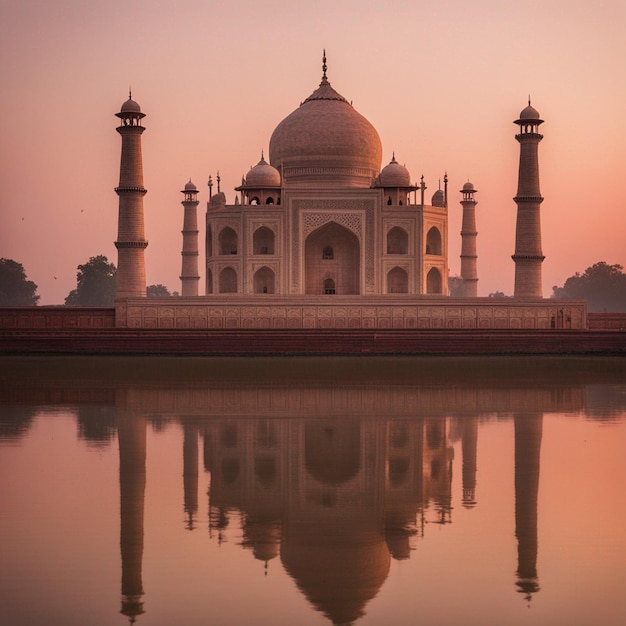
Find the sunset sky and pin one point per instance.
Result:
(442, 82)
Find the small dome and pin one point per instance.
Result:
(468, 187)
(529, 113)
(190, 186)
(263, 175)
(438, 199)
(130, 106)
(394, 175)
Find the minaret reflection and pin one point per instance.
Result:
(469, 447)
(190, 473)
(131, 429)
(528, 433)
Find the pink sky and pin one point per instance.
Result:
(441, 81)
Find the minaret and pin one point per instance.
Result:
(469, 272)
(189, 274)
(131, 243)
(528, 256)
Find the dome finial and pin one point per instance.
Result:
(324, 67)
(528, 99)
(130, 93)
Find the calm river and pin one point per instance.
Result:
(296, 491)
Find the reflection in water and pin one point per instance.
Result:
(333, 481)
(528, 429)
(132, 446)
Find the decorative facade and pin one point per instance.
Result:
(322, 218)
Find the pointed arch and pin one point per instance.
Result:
(397, 241)
(397, 281)
(228, 241)
(263, 240)
(332, 251)
(209, 242)
(209, 282)
(228, 280)
(433, 241)
(433, 281)
(264, 280)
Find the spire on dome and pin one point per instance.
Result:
(324, 68)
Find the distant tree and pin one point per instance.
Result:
(15, 289)
(95, 284)
(602, 285)
(157, 291)
(498, 294)
(455, 286)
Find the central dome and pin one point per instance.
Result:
(326, 141)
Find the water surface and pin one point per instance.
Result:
(366, 491)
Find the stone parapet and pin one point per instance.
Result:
(337, 312)
(56, 317)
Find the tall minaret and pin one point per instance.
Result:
(528, 256)
(189, 274)
(131, 243)
(469, 272)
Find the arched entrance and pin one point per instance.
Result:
(332, 254)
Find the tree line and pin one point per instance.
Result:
(602, 285)
(95, 285)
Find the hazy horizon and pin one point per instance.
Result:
(442, 83)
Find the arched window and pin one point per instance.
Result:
(264, 280)
(209, 241)
(397, 241)
(433, 281)
(327, 253)
(397, 281)
(228, 280)
(329, 287)
(254, 200)
(269, 200)
(433, 241)
(263, 241)
(228, 241)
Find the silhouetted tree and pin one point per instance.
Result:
(498, 294)
(157, 291)
(15, 289)
(95, 284)
(455, 286)
(602, 285)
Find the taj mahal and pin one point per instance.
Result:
(321, 235)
